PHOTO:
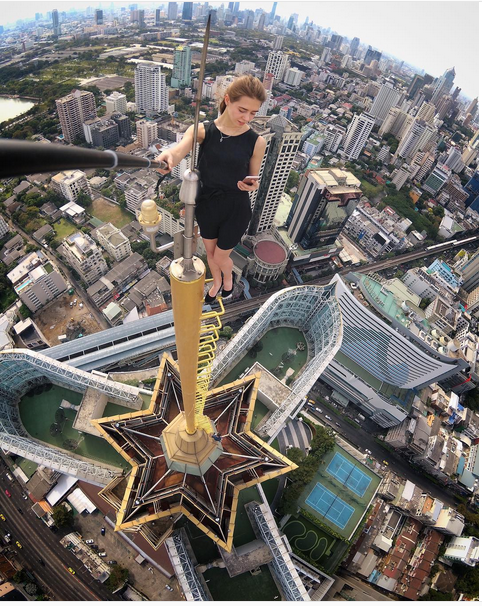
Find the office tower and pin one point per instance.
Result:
(55, 22)
(470, 273)
(158, 17)
(454, 160)
(326, 55)
(181, 72)
(146, 131)
(346, 61)
(469, 155)
(386, 98)
(419, 137)
(116, 102)
(335, 42)
(273, 13)
(357, 135)
(355, 43)
(36, 281)
(105, 133)
(426, 112)
(261, 22)
(73, 110)
(249, 19)
(187, 11)
(99, 17)
(292, 21)
(283, 140)
(438, 177)
(140, 19)
(472, 107)
(372, 55)
(152, 94)
(83, 254)
(293, 76)
(172, 11)
(456, 93)
(415, 85)
(278, 43)
(324, 201)
(124, 126)
(277, 64)
(472, 188)
(443, 85)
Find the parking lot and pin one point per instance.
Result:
(144, 577)
(54, 319)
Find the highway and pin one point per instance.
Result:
(361, 438)
(39, 542)
(235, 309)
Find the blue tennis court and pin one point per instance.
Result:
(330, 506)
(348, 474)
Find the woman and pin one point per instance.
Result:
(229, 152)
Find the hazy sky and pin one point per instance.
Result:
(432, 35)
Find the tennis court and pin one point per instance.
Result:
(330, 506)
(348, 474)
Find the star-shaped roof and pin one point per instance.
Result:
(156, 489)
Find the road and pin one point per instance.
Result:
(361, 438)
(39, 542)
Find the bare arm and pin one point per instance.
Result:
(254, 165)
(175, 154)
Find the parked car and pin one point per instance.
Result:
(89, 541)
(385, 463)
(9, 476)
(71, 570)
(112, 562)
(102, 554)
(2, 517)
(18, 544)
(24, 496)
(327, 417)
(7, 492)
(7, 537)
(368, 451)
(337, 424)
(41, 562)
(102, 531)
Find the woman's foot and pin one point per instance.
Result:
(212, 293)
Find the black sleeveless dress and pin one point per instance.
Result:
(222, 210)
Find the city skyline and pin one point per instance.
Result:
(424, 53)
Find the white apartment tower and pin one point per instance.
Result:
(152, 94)
(419, 137)
(357, 135)
(74, 109)
(69, 183)
(116, 102)
(386, 98)
(114, 241)
(83, 254)
(426, 112)
(147, 132)
(243, 66)
(277, 64)
(283, 140)
(293, 76)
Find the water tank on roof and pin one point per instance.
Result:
(405, 307)
(435, 334)
(443, 340)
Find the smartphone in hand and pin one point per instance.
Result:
(250, 178)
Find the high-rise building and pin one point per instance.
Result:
(436, 179)
(470, 273)
(187, 11)
(99, 17)
(273, 13)
(283, 140)
(113, 241)
(372, 55)
(116, 102)
(83, 254)
(472, 188)
(469, 155)
(454, 160)
(36, 281)
(324, 201)
(278, 43)
(56, 23)
(419, 137)
(426, 112)
(357, 135)
(181, 72)
(335, 42)
(146, 131)
(400, 177)
(355, 43)
(74, 109)
(158, 17)
(277, 64)
(124, 126)
(386, 98)
(443, 85)
(152, 94)
(172, 11)
(293, 76)
(249, 19)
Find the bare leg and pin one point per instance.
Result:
(210, 246)
(225, 263)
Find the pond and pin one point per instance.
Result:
(11, 108)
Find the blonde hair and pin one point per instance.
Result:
(245, 86)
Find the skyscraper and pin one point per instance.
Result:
(354, 46)
(55, 22)
(99, 17)
(426, 112)
(443, 85)
(278, 43)
(386, 98)
(283, 140)
(187, 11)
(418, 138)
(277, 64)
(73, 110)
(273, 12)
(152, 94)
(181, 72)
(324, 201)
(357, 135)
(335, 42)
(158, 17)
(172, 11)
(472, 188)
(371, 55)
(470, 273)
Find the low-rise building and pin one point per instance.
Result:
(463, 549)
(74, 212)
(12, 250)
(113, 241)
(69, 183)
